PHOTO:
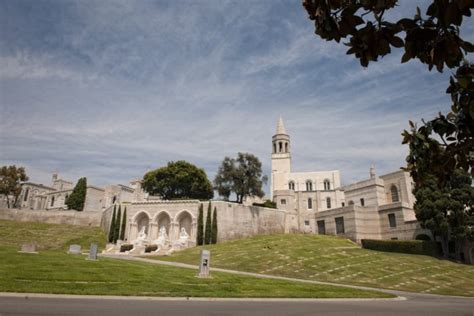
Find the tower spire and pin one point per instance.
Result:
(280, 127)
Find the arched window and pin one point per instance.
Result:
(291, 185)
(309, 186)
(394, 193)
(351, 202)
(280, 146)
(26, 194)
(327, 184)
(274, 147)
(362, 202)
(52, 201)
(286, 147)
(310, 203)
(328, 202)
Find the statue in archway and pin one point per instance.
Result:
(141, 239)
(183, 236)
(162, 237)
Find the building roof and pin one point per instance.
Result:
(38, 185)
(280, 127)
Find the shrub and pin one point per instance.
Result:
(267, 203)
(207, 232)
(214, 227)
(419, 247)
(126, 247)
(76, 200)
(151, 248)
(200, 227)
(112, 227)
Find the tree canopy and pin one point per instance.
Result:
(447, 211)
(10, 182)
(433, 39)
(178, 180)
(241, 176)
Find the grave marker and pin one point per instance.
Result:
(205, 264)
(93, 252)
(28, 248)
(74, 249)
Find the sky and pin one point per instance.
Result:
(111, 89)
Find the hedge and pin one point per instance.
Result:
(267, 203)
(126, 247)
(151, 248)
(418, 247)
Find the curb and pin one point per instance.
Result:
(194, 299)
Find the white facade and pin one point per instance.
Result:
(376, 208)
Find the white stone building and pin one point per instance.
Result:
(36, 196)
(380, 207)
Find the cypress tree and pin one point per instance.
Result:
(124, 220)
(200, 228)
(76, 200)
(117, 224)
(214, 227)
(207, 233)
(112, 227)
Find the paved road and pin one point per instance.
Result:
(414, 305)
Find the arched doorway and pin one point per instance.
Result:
(185, 220)
(142, 221)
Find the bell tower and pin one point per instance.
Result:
(281, 158)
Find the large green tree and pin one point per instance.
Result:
(447, 211)
(241, 176)
(11, 178)
(77, 198)
(178, 180)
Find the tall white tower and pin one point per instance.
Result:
(281, 158)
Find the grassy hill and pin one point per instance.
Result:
(334, 259)
(54, 271)
(49, 236)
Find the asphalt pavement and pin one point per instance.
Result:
(415, 304)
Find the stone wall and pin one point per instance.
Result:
(234, 220)
(53, 217)
(238, 221)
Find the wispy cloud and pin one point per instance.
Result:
(110, 89)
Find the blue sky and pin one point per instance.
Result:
(110, 89)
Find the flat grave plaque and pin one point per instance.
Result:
(28, 248)
(74, 249)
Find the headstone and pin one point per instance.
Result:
(74, 249)
(205, 264)
(93, 252)
(28, 248)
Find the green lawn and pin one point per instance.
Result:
(54, 271)
(334, 259)
(49, 236)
